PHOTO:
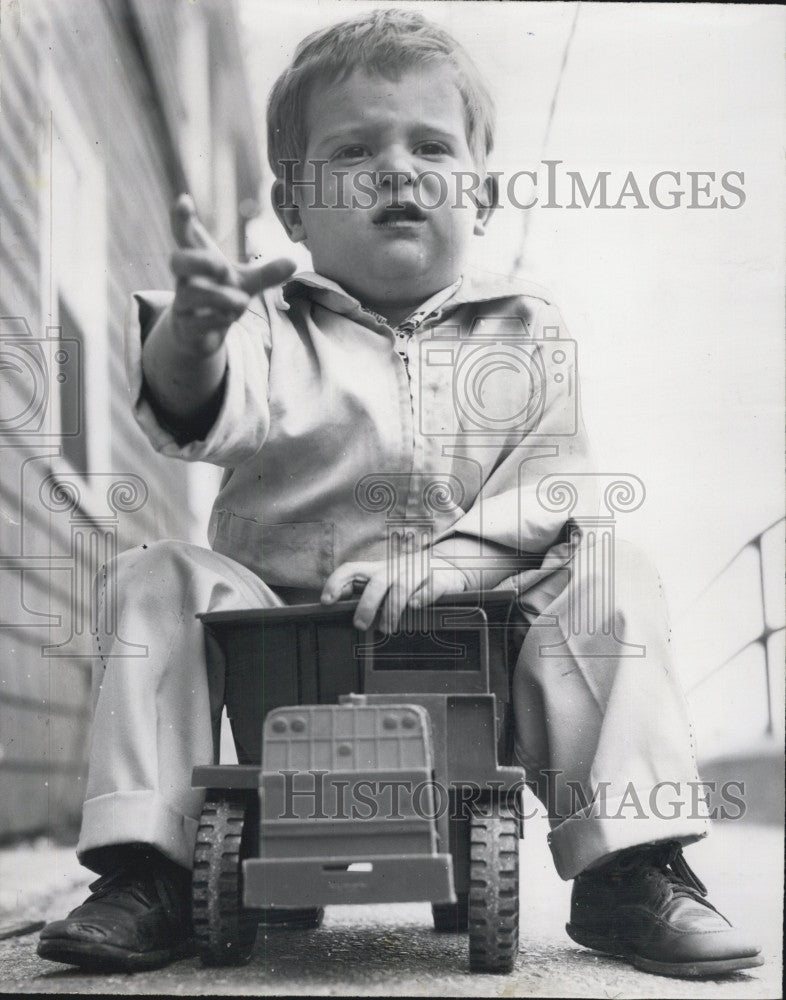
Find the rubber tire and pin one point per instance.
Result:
(494, 889)
(228, 832)
(452, 918)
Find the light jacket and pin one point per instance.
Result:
(340, 438)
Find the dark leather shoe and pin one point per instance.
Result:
(138, 917)
(648, 907)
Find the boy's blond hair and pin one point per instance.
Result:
(381, 43)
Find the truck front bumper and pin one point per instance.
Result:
(321, 882)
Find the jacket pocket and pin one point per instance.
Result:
(293, 554)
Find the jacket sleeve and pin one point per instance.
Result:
(517, 515)
(243, 419)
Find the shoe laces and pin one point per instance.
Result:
(667, 864)
(141, 885)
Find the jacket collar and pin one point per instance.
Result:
(475, 286)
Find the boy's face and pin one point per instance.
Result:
(381, 135)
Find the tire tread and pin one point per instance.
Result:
(494, 889)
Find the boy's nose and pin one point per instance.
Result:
(394, 170)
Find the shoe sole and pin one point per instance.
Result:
(109, 958)
(681, 970)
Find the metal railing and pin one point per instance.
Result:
(767, 629)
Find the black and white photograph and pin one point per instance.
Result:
(391, 498)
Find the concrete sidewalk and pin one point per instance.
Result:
(392, 950)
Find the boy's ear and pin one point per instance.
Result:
(288, 212)
(487, 203)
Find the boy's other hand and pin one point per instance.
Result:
(212, 292)
(414, 582)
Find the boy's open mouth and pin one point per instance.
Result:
(393, 216)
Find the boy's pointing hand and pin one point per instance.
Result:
(212, 292)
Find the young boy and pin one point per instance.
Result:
(307, 396)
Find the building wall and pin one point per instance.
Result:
(89, 169)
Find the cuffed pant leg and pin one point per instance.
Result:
(602, 723)
(154, 714)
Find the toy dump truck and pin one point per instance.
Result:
(372, 769)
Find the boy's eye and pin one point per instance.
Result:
(432, 148)
(356, 152)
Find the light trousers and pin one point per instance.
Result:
(602, 726)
